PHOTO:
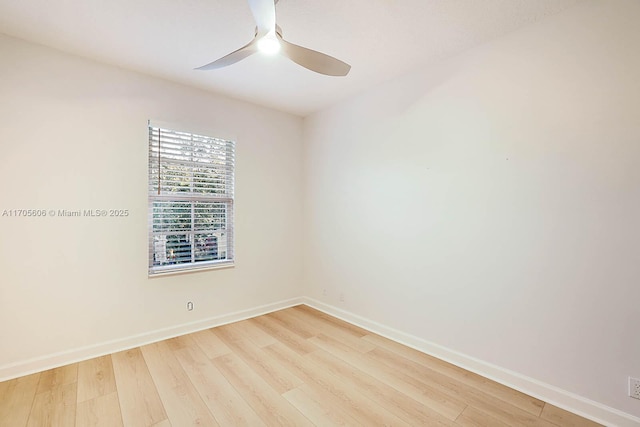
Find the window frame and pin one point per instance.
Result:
(217, 202)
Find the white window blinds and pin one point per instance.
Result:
(191, 180)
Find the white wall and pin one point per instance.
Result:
(73, 136)
(490, 204)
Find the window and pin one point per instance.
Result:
(191, 180)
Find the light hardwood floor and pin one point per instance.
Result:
(295, 367)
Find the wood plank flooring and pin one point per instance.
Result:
(294, 367)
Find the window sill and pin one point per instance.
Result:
(173, 271)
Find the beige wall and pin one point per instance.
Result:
(73, 136)
(490, 204)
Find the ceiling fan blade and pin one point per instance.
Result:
(314, 60)
(235, 56)
(264, 13)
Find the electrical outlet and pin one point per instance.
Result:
(324, 292)
(189, 306)
(634, 388)
(341, 297)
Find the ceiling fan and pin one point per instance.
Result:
(268, 39)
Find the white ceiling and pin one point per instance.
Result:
(381, 39)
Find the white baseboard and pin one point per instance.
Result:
(561, 398)
(55, 360)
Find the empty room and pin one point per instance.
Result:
(303, 212)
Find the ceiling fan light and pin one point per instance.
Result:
(269, 45)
